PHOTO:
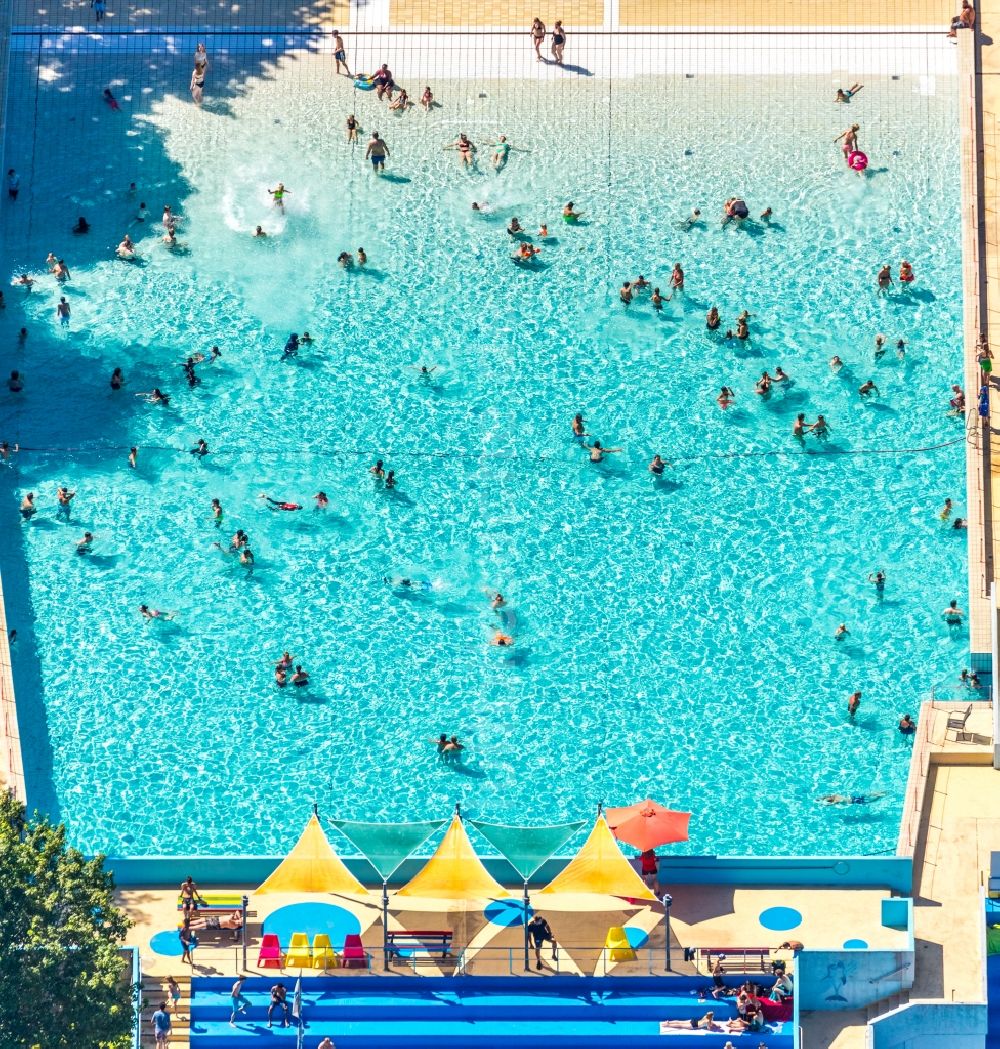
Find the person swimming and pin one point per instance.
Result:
(852, 799)
(280, 504)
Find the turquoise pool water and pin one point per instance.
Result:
(673, 637)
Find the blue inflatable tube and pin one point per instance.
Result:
(365, 83)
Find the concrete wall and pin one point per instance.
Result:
(931, 1025)
(892, 872)
(837, 981)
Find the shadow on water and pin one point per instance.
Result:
(55, 75)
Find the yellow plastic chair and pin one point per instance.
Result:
(617, 945)
(324, 956)
(298, 956)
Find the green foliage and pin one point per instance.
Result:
(65, 984)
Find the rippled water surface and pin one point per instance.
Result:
(674, 637)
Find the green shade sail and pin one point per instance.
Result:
(527, 848)
(387, 845)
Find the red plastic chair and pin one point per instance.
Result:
(354, 955)
(270, 953)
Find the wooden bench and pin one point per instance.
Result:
(426, 941)
(739, 959)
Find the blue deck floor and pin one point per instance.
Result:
(561, 1012)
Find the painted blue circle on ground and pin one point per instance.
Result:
(855, 945)
(780, 919)
(507, 913)
(636, 937)
(167, 943)
(311, 918)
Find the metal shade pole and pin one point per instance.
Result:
(667, 901)
(527, 904)
(243, 932)
(385, 924)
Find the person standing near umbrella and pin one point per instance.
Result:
(541, 932)
(649, 864)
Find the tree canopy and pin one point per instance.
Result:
(65, 982)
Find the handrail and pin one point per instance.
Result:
(136, 996)
(994, 684)
(895, 972)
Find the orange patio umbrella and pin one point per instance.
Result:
(648, 824)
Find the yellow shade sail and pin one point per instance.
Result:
(454, 872)
(600, 867)
(312, 866)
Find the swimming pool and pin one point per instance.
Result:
(673, 637)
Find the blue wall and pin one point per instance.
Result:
(893, 872)
(931, 1025)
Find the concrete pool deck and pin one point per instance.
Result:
(701, 916)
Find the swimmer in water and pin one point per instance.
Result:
(742, 331)
(953, 615)
(762, 387)
(502, 640)
(579, 428)
(867, 389)
(155, 613)
(640, 284)
(291, 349)
(780, 375)
(841, 632)
(879, 346)
(625, 293)
(217, 513)
(117, 379)
(345, 260)
(945, 510)
(377, 471)
(466, 150)
(300, 678)
(766, 215)
(155, 396)
(28, 508)
(305, 339)
(497, 600)
(960, 522)
(884, 280)
(799, 427)
(693, 219)
(598, 452)
(853, 702)
(852, 799)
(836, 364)
(322, 500)
(279, 504)
(849, 140)
(133, 454)
(657, 466)
(86, 544)
(726, 398)
(200, 450)
(259, 232)
(425, 371)
(907, 726)
(390, 479)
(280, 676)
(352, 128)
(846, 96)
(712, 319)
(676, 280)
(878, 579)
(409, 584)
(571, 216)
(278, 196)
(515, 227)
(820, 428)
(656, 299)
